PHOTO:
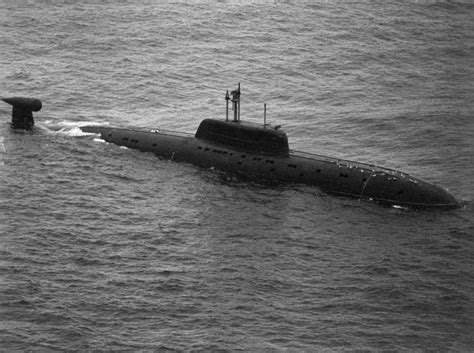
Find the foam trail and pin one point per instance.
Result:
(2, 146)
(69, 128)
(2, 150)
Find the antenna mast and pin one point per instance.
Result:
(227, 105)
(264, 114)
(236, 103)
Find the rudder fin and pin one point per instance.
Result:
(22, 112)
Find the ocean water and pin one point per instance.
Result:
(106, 248)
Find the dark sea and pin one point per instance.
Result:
(106, 248)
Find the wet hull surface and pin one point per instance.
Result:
(332, 175)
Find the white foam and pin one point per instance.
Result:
(69, 128)
(398, 207)
(75, 131)
(79, 123)
(2, 146)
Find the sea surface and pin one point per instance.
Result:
(106, 248)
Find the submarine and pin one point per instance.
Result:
(261, 152)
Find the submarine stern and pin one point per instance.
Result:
(22, 111)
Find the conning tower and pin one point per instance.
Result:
(244, 136)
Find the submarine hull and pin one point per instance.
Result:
(332, 175)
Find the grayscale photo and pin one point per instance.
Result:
(237, 176)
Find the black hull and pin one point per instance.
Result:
(335, 176)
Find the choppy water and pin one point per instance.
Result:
(112, 249)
